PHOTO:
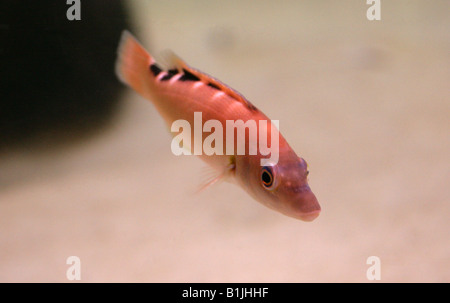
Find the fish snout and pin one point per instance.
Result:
(305, 206)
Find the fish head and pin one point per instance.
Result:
(284, 187)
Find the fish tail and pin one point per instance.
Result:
(133, 65)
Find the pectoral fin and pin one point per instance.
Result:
(213, 176)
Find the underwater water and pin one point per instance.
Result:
(366, 103)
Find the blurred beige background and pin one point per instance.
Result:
(366, 103)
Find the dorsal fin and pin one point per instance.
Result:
(193, 74)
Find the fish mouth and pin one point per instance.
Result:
(308, 217)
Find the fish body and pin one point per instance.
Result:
(181, 91)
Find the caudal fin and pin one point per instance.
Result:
(133, 64)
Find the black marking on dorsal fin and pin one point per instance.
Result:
(214, 85)
(173, 71)
(251, 106)
(188, 76)
(170, 74)
(155, 69)
(166, 77)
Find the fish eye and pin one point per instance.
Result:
(306, 165)
(267, 177)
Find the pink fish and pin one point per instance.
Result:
(181, 91)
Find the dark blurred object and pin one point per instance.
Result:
(57, 78)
